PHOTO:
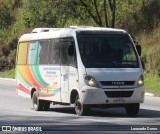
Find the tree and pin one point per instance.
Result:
(112, 5)
(39, 13)
(61, 13)
(98, 18)
(6, 15)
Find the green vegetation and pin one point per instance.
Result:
(150, 43)
(151, 50)
(152, 84)
(141, 18)
(8, 74)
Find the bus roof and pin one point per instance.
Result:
(47, 33)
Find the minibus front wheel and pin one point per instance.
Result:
(80, 108)
(132, 109)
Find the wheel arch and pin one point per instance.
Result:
(32, 91)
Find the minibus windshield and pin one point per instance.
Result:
(107, 51)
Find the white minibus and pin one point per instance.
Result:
(85, 66)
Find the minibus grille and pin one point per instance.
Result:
(117, 83)
(112, 94)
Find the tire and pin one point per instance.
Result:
(132, 109)
(39, 105)
(80, 108)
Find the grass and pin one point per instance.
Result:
(150, 43)
(8, 74)
(152, 84)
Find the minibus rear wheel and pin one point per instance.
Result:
(37, 104)
(80, 108)
(40, 105)
(132, 109)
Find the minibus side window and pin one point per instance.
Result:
(73, 59)
(43, 52)
(22, 53)
(32, 54)
(49, 52)
(65, 58)
(64, 53)
(54, 52)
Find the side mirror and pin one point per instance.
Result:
(71, 49)
(138, 47)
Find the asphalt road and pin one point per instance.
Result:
(16, 110)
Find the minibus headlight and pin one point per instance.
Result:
(90, 81)
(141, 81)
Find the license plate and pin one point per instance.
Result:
(119, 100)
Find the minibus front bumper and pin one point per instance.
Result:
(93, 95)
